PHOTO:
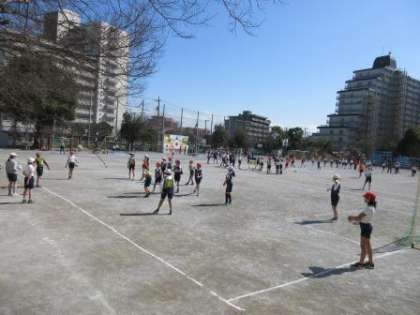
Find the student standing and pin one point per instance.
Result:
(12, 168)
(269, 165)
(167, 191)
(158, 176)
(131, 165)
(71, 163)
(239, 161)
(192, 171)
(147, 183)
(335, 196)
(39, 162)
(229, 185)
(368, 177)
(364, 219)
(177, 174)
(28, 181)
(198, 174)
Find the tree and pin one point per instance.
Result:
(410, 143)
(239, 139)
(146, 25)
(36, 90)
(295, 137)
(219, 137)
(131, 129)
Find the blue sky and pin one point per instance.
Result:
(290, 71)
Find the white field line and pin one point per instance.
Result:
(319, 274)
(144, 250)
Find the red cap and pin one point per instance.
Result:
(198, 165)
(370, 196)
(177, 162)
(157, 164)
(191, 161)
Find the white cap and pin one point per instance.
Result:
(13, 154)
(168, 172)
(31, 160)
(336, 176)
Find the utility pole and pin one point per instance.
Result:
(90, 116)
(182, 114)
(196, 133)
(142, 109)
(211, 124)
(158, 107)
(116, 118)
(205, 126)
(163, 128)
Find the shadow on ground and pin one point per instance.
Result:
(320, 272)
(306, 222)
(209, 205)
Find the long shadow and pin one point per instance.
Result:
(54, 179)
(140, 193)
(390, 247)
(10, 203)
(321, 272)
(305, 222)
(124, 197)
(140, 214)
(183, 195)
(209, 205)
(117, 178)
(355, 189)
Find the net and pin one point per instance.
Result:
(412, 237)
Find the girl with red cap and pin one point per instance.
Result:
(364, 219)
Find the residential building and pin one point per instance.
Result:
(257, 128)
(97, 56)
(375, 108)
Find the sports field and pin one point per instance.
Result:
(90, 246)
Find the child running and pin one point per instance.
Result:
(147, 183)
(177, 174)
(158, 176)
(167, 191)
(229, 185)
(364, 219)
(335, 196)
(28, 182)
(198, 174)
(131, 165)
(71, 163)
(40, 161)
(192, 171)
(12, 168)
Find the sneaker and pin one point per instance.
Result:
(356, 265)
(24, 201)
(369, 265)
(156, 211)
(10, 195)
(30, 201)
(170, 212)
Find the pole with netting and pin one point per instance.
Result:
(413, 230)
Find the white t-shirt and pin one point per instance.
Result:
(29, 171)
(369, 212)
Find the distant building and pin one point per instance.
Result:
(374, 109)
(257, 128)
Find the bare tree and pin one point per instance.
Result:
(129, 33)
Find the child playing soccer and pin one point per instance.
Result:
(28, 182)
(177, 174)
(198, 174)
(131, 165)
(229, 185)
(192, 171)
(158, 176)
(40, 161)
(364, 219)
(71, 163)
(335, 196)
(144, 166)
(167, 191)
(147, 183)
(12, 168)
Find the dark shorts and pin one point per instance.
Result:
(72, 165)
(132, 167)
(39, 171)
(158, 179)
(28, 183)
(335, 200)
(12, 177)
(366, 230)
(177, 177)
(229, 188)
(368, 179)
(197, 181)
(167, 192)
(147, 182)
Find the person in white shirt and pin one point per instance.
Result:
(368, 177)
(364, 219)
(71, 163)
(28, 173)
(12, 169)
